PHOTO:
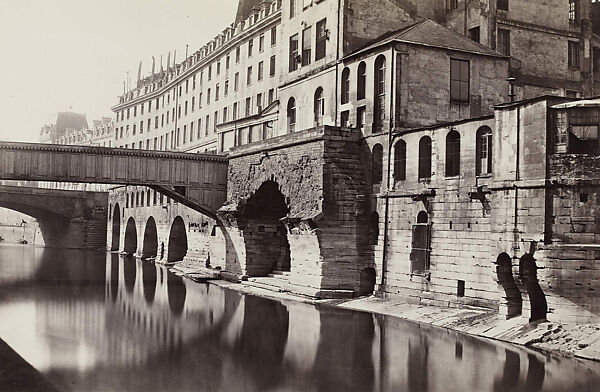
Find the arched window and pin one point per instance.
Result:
(422, 217)
(379, 99)
(483, 164)
(319, 106)
(361, 81)
(452, 154)
(377, 164)
(291, 115)
(425, 158)
(345, 85)
(400, 160)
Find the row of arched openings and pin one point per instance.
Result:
(177, 245)
(483, 153)
(318, 110)
(379, 98)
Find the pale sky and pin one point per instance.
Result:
(61, 54)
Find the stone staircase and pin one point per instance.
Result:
(275, 281)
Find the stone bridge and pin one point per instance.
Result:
(198, 181)
(67, 219)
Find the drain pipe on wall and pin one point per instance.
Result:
(517, 168)
(388, 174)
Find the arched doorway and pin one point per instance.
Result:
(130, 246)
(177, 241)
(116, 228)
(514, 301)
(267, 247)
(537, 299)
(150, 246)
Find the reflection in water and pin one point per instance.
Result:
(86, 326)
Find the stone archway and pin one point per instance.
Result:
(178, 246)
(267, 246)
(512, 295)
(116, 228)
(537, 299)
(130, 246)
(150, 245)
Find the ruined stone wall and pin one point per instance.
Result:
(319, 173)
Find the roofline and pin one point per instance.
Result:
(441, 125)
(546, 97)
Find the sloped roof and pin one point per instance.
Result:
(582, 103)
(244, 8)
(429, 33)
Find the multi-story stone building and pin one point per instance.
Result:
(392, 75)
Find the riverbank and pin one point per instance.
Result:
(578, 340)
(16, 374)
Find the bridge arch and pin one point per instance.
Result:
(150, 245)
(116, 228)
(268, 248)
(178, 246)
(130, 245)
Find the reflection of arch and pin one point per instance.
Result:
(116, 228)
(129, 274)
(514, 302)
(178, 245)
(176, 293)
(114, 275)
(130, 246)
(149, 280)
(268, 247)
(528, 274)
(367, 281)
(150, 245)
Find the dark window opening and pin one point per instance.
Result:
(400, 160)
(320, 48)
(374, 228)
(361, 81)
(574, 54)
(474, 34)
(420, 251)
(345, 85)
(319, 106)
(377, 164)
(425, 158)
(502, 5)
(583, 197)
(460, 288)
(483, 151)
(452, 154)
(291, 115)
(459, 80)
(503, 44)
(379, 90)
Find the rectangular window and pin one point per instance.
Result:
(345, 118)
(249, 76)
(292, 8)
(134, 126)
(459, 80)
(210, 72)
(199, 130)
(199, 102)
(208, 97)
(237, 55)
(206, 125)
(193, 85)
(261, 43)
(503, 42)
(573, 11)
(306, 40)
(193, 103)
(272, 66)
(574, 54)
(260, 70)
(142, 109)
(215, 120)
(218, 68)
(248, 108)
(322, 32)
(235, 110)
(273, 35)
(141, 126)
(162, 120)
(236, 81)
(250, 46)
(258, 102)
(227, 62)
(156, 122)
(186, 108)
(184, 133)
(226, 88)
(225, 114)
(502, 5)
(293, 52)
(452, 4)
(217, 92)
(361, 117)
(271, 95)
(187, 88)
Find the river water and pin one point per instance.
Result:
(91, 321)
